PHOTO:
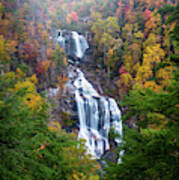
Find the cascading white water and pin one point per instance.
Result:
(97, 114)
(78, 47)
(78, 44)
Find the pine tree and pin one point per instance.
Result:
(151, 153)
(29, 148)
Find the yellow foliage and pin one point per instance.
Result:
(31, 98)
(94, 16)
(128, 27)
(153, 55)
(20, 73)
(151, 40)
(110, 53)
(9, 75)
(68, 19)
(128, 62)
(108, 40)
(81, 176)
(125, 83)
(33, 101)
(131, 64)
(164, 75)
(94, 177)
(112, 25)
(111, 58)
(4, 56)
(54, 126)
(34, 79)
(172, 26)
(166, 39)
(29, 86)
(136, 67)
(137, 86)
(125, 80)
(143, 74)
(65, 61)
(48, 24)
(139, 35)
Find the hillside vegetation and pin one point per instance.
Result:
(134, 42)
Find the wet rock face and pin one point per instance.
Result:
(110, 156)
(65, 108)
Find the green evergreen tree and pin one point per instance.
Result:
(28, 148)
(151, 153)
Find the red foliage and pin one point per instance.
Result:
(123, 70)
(147, 14)
(73, 16)
(43, 66)
(29, 51)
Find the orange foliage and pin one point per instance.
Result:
(20, 73)
(152, 86)
(30, 50)
(72, 17)
(43, 66)
(62, 79)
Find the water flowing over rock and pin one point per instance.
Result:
(97, 114)
(74, 44)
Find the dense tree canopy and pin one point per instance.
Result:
(134, 42)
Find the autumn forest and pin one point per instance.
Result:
(130, 53)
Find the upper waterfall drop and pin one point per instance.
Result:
(73, 43)
(81, 44)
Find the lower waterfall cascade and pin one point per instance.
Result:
(96, 114)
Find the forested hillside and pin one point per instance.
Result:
(132, 56)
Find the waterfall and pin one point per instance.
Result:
(97, 114)
(80, 44)
(74, 44)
